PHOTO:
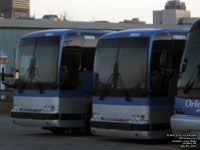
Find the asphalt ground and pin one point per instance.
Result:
(14, 137)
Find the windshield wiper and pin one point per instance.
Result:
(192, 80)
(33, 73)
(114, 77)
(183, 67)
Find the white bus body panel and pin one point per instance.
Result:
(182, 124)
(131, 115)
(36, 105)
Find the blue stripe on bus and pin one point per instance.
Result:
(36, 93)
(51, 93)
(134, 101)
(188, 106)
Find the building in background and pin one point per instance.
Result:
(134, 21)
(14, 8)
(173, 13)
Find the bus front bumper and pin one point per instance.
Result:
(126, 130)
(35, 119)
(182, 124)
(47, 119)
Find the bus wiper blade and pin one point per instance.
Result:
(22, 83)
(192, 80)
(183, 67)
(107, 87)
(115, 76)
(127, 95)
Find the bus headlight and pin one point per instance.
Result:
(137, 118)
(97, 116)
(16, 108)
(49, 108)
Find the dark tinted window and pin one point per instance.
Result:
(133, 62)
(70, 65)
(165, 62)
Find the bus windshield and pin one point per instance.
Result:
(130, 54)
(189, 81)
(39, 57)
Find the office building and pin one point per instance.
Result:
(14, 8)
(172, 14)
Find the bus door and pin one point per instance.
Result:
(166, 56)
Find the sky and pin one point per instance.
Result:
(110, 10)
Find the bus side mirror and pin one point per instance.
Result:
(184, 64)
(2, 74)
(96, 80)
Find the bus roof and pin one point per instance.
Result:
(195, 26)
(141, 33)
(60, 32)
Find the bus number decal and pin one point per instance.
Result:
(179, 37)
(89, 37)
(134, 34)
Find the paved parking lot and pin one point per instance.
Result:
(13, 137)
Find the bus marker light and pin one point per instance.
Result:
(53, 107)
(126, 35)
(39, 35)
(122, 35)
(168, 34)
(117, 36)
(79, 34)
(142, 117)
(143, 34)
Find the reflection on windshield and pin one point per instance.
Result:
(132, 57)
(24, 56)
(44, 51)
(191, 53)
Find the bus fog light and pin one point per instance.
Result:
(137, 118)
(142, 117)
(52, 107)
(96, 115)
(16, 108)
(49, 108)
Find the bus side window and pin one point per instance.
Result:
(69, 70)
(160, 65)
(88, 58)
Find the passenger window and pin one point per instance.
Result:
(161, 67)
(69, 71)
